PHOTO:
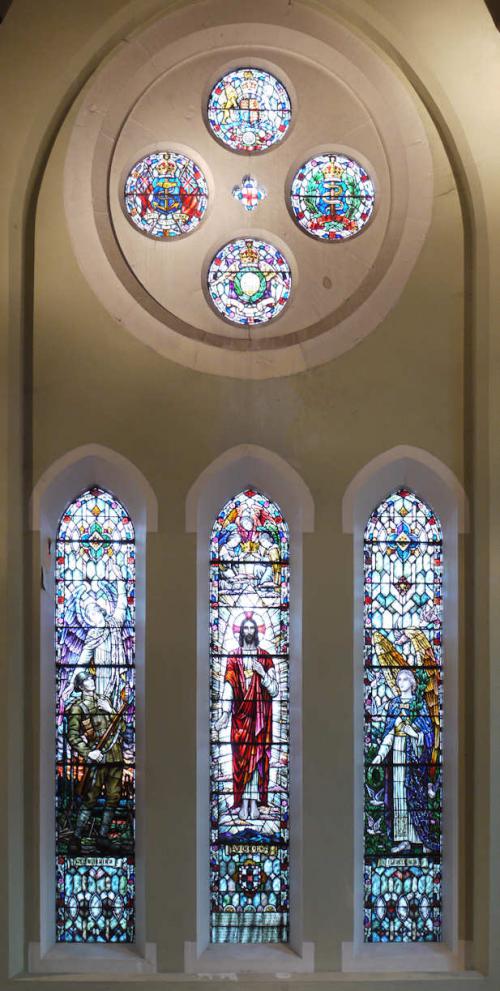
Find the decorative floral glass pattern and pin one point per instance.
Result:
(95, 735)
(249, 737)
(249, 281)
(332, 197)
(249, 110)
(166, 194)
(403, 715)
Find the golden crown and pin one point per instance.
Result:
(251, 83)
(250, 255)
(333, 170)
(166, 165)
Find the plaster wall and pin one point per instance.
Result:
(92, 382)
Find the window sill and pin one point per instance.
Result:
(398, 958)
(92, 960)
(234, 959)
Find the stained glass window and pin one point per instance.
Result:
(249, 281)
(403, 709)
(166, 194)
(249, 705)
(95, 736)
(332, 197)
(249, 193)
(249, 110)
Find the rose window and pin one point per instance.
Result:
(249, 281)
(165, 195)
(332, 197)
(249, 110)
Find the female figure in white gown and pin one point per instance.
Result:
(406, 748)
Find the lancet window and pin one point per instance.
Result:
(403, 574)
(249, 713)
(95, 734)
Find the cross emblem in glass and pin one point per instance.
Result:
(249, 193)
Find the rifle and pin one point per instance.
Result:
(82, 785)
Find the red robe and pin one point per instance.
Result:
(251, 725)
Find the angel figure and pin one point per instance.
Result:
(249, 541)
(410, 742)
(94, 636)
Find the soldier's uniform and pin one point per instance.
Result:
(88, 721)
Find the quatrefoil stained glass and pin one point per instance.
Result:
(332, 197)
(249, 281)
(166, 194)
(249, 110)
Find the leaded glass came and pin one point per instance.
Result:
(402, 715)
(249, 110)
(166, 195)
(95, 730)
(249, 713)
(249, 281)
(332, 197)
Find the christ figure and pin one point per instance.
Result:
(250, 684)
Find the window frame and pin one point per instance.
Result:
(63, 482)
(436, 485)
(248, 466)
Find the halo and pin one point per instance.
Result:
(249, 614)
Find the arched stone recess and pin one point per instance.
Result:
(60, 484)
(249, 466)
(438, 486)
(49, 104)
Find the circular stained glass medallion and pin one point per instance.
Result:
(332, 197)
(249, 281)
(249, 110)
(166, 194)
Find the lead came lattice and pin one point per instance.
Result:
(403, 716)
(249, 706)
(95, 721)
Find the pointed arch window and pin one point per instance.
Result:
(403, 575)
(95, 731)
(249, 719)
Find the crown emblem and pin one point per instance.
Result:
(250, 256)
(250, 83)
(166, 167)
(333, 170)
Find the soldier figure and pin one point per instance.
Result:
(88, 722)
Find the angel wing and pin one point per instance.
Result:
(427, 660)
(106, 595)
(389, 658)
(70, 643)
(75, 631)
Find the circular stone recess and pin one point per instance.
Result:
(171, 272)
(345, 100)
